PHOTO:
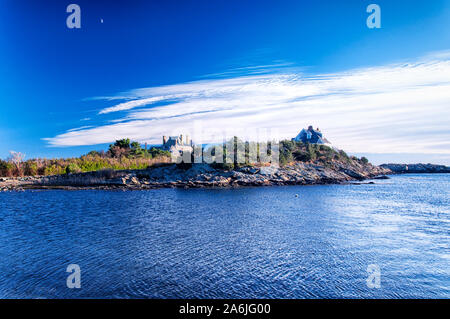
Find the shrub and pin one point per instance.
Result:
(30, 168)
(73, 168)
(93, 161)
(302, 156)
(285, 157)
(96, 153)
(364, 160)
(343, 156)
(312, 151)
(6, 169)
(155, 152)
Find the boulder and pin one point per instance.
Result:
(134, 181)
(381, 177)
(249, 170)
(353, 174)
(268, 170)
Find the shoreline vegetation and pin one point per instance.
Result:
(126, 165)
(121, 155)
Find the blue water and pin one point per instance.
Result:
(236, 243)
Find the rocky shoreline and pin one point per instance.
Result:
(416, 168)
(202, 176)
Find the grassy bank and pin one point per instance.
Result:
(121, 155)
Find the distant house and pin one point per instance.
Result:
(177, 145)
(312, 136)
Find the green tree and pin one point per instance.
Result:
(120, 148)
(136, 150)
(157, 152)
(364, 160)
(123, 143)
(311, 150)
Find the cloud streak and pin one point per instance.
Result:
(398, 108)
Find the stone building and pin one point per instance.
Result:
(177, 145)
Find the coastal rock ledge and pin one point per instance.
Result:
(202, 175)
(416, 168)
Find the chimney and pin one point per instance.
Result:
(181, 139)
(164, 140)
(146, 146)
(187, 140)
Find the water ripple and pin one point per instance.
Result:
(241, 243)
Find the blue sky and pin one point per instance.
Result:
(168, 67)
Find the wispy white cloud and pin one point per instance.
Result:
(399, 108)
(132, 104)
(257, 69)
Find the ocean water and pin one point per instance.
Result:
(235, 243)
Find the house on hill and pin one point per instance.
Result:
(312, 136)
(177, 145)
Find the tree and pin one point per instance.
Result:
(123, 143)
(364, 160)
(135, 145)
(119, 148)
(155, 152)
(96, 153)
(17, 159)
(136, 149)
(311, 150)
(117, 152)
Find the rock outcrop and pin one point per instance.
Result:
(416, 168)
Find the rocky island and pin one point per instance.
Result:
(416, 168)
(200, 175)
(304, 160)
